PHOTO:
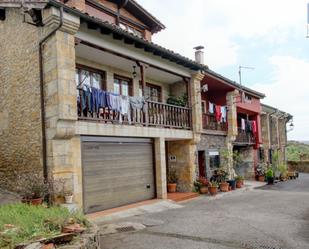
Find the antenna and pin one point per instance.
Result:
(239, 73)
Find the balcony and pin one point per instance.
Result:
(153, 114)
(244, 137)
(210, 123)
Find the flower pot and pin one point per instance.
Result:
(68, 199)
(36, 202)
(203, 190)
(232, 184)
(224, 186)
(238, 184)
(270, 180)
(261, 178)
(59, 199)
(171, 187)
(213, 190)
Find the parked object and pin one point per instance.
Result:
(172, 181)
(270, 176)
(213, 188)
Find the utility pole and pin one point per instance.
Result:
(239, 73)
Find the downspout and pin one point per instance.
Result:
(44, 141)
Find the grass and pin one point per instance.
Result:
(20, 223)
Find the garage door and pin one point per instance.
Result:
(116, 172)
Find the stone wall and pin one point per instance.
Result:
(207, 143)
(300, 166)
(20, 119)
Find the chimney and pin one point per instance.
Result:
(199, 54)
(78, 4)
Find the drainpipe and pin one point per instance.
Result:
(44, 141)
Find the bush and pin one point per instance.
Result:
(270, 173)
(20, 223)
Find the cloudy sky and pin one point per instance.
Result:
(269, 35)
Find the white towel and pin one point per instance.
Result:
(211, 107)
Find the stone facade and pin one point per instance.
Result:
(20, 117)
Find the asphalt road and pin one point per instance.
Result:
(270, 217)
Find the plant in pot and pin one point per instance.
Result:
(260, 172)
(239, 181)
(32, 187)
(172, 181)
(203, 185)
(270, 176)
(283, 172)
(222, 177)
(213, 187)
(68, 196)
(58, 191)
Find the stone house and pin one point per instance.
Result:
(274, 133)
(52, 120)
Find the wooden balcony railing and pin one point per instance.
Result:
(210, 123)
(153, 114)
(244, 137)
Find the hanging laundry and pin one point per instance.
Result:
(248, 126)
(102, 99)
(223, 114)
(113, 101)
(243, 124)
(254, 127)
(125, 108)
(95, 95)
(87, 99)
(218, 113)
(210, 107)
(137, 103)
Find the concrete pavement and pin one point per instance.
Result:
(269, 217)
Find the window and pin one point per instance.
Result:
(122, 85)
(214, 159)
(85, 76)
(2, 14)
(152, 92)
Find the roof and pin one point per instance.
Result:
(268, 108)
(234, 84)
(148, 46)
(108, 28)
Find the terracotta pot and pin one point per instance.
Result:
(36, 202)
(203, 190)
(49, 246)
(213, 190)
(68, 199)
(171, 187)
(224, 187)
(261, 178)
(239, 184)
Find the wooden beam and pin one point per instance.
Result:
(142, 67)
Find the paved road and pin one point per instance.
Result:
(272, 217)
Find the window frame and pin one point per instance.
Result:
(92, 71)
(150, 85)
(123, 78)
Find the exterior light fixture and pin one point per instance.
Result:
(134, 72)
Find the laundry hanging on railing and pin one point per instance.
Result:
(211, 107)
(223, 114)
(125, 108)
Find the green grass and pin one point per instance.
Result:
(32, 223)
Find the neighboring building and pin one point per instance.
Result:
(106, 158)
(224, 134)
(274, 133)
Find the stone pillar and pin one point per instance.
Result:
(160, 160)
(232, 130)
(63, 147)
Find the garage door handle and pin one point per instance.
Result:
(148, 186)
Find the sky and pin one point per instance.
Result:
(268, 35)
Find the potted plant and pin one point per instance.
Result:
(203, 185)
(213, 187)
(68, 196)
(260, 171)
(270, 176)
(172, 181)
(239, 181)
(58, 191)
(33, 188)
(283, 172)
(221, 178)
